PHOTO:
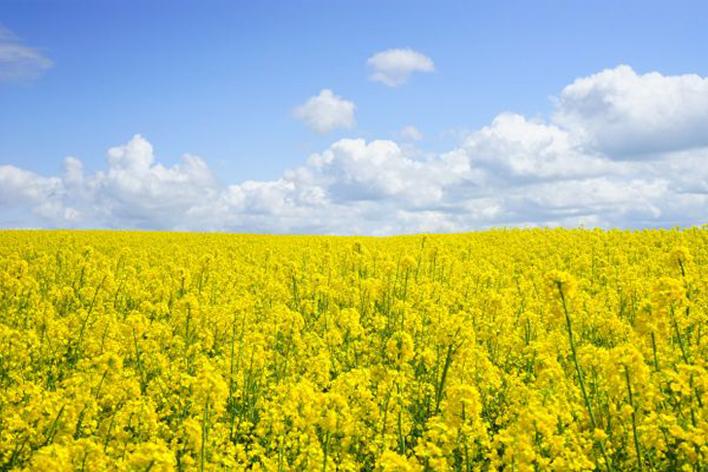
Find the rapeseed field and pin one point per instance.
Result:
(518, 350)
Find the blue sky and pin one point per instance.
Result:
(221, 80)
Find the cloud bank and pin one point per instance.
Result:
(621, 150)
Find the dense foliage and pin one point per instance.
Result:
(522, 350)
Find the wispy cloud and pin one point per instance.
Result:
(18, 61)
(411, 133)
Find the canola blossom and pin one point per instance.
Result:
(519, 350)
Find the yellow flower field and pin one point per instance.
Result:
(517, 350)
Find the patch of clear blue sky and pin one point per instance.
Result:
(220, 79)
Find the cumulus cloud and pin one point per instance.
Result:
(19, 61)
(138, 192)
(392, 67)
(515, 171)
(326, 112)
(624, 114)
(515, 147)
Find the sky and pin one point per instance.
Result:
(353, 117)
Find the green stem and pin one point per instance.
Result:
(204, 435)
(326, 452)
(401, 439)
(441, 386)
(634, 420)
(653, 347)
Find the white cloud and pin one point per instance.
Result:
(73, 171)
(392, 67)
(326, 112)
(18, 61)
(19, 186)
(514, 172)
(624, 114)
(411, 133)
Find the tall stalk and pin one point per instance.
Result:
(579, 373)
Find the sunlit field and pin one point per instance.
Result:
(520, 350)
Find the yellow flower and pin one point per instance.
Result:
(393, 462)
(407, 263)
(399, 348)
(559, 282)
(152, 456)
(669, 291)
